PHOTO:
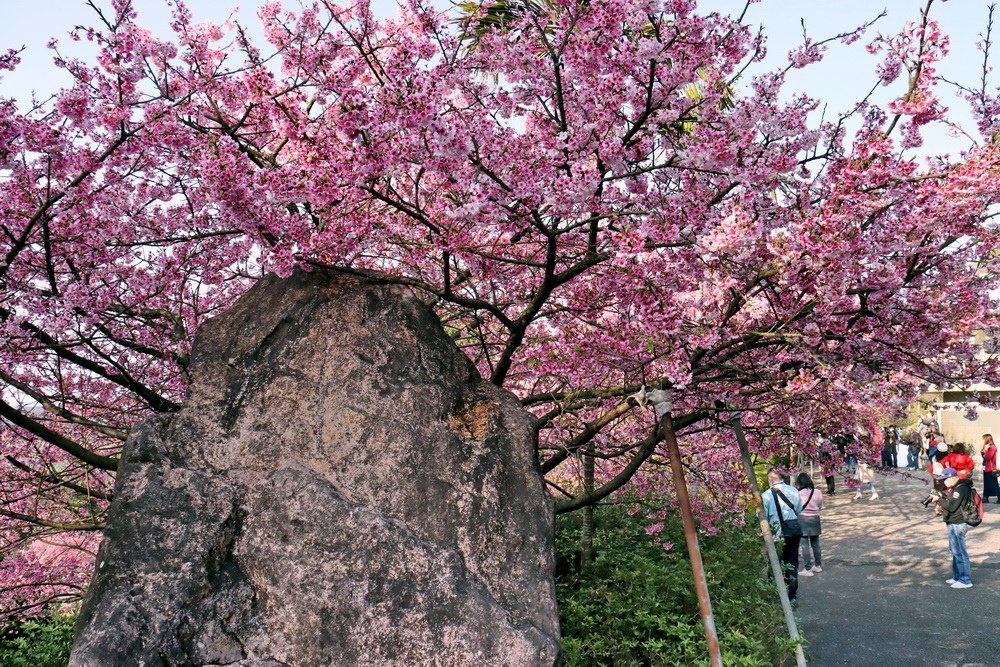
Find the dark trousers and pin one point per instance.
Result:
(789, 558)
(991, 486)
(831, 484)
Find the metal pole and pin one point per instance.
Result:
(765, 527)
(691, 537)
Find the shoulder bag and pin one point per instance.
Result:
(789, 527)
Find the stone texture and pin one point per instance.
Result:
(340, 488)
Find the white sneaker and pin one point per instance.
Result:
(805, 573)
(959, 584)
(817, 568)
(874, 496)
(857, 496)
(950, 581)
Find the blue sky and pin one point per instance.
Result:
(846, 74)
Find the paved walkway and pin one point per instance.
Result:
(881, 599)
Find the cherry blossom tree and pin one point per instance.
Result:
(595, 196)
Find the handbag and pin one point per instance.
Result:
(789, 527)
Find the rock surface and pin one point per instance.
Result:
(340, 488)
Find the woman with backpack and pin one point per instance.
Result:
(812, 503)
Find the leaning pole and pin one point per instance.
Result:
(663, 405)
(765, 527)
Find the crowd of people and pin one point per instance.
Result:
(793, 507)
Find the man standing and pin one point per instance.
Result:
(782, 505)
(954, 505)
(914, 445)
(888, 452)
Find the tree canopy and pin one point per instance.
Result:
(595, 196)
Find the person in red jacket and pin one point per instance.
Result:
(960, 460)
(991, 486)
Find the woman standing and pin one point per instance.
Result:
(991, 486)
(812, 503)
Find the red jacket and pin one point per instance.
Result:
(990, 458)
(963, 463)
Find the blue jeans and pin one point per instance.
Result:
(961, 566)
(852, 464)
(810, 550)
(911, 460)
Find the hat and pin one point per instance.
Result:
(942, 447)
(948, 472)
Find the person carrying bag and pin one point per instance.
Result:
(789, 527)
(779, 499)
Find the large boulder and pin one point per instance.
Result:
(340, 488)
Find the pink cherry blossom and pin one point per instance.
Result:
(588, 194)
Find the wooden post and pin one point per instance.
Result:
(765, 527)
(691, 537)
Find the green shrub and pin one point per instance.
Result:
(41, 642)
(635, 603)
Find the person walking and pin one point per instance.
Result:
(952, 505)
(865, 477)
(782, 506)
(812, 503)
(991, 486)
